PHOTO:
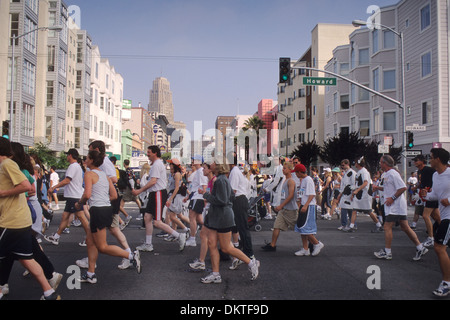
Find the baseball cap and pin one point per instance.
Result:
(299, 168)
(197, 158)
(73, 152)
(326, 170)
(174, 161)
(336, 170)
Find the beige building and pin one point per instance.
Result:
(303, 106)
(161, 99)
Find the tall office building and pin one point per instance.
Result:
(161, 98)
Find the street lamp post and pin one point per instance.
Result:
(287, 130)
(361, 23)
(11, 102)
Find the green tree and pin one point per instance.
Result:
(307, 152)
(343, 146)
(48, 157)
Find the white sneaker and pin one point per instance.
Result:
(145, 247)
(4, 289)
(235, 264)
(191, 243)
(52, 239)
(302, 253)
(211, 279)
(55, 280)
(253, 267)
(317, 249)
(125, 264)
(429, 242)
(197, 265)
(182, 241)
(83, 263)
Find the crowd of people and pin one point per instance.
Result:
(209, 201)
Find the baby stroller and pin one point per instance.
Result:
(257, 210)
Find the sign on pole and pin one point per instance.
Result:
(416, 127)
(312, 81)
(382, 149)
(388, 141)
(413, 153)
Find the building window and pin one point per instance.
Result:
(51, 58)
(27, 124)
(375, 46)
(426, 64)
(50, 93)
(389, 80)
(364, 128)
(376, 121)
(345, 69)
(363, 57)
(364, 95)
(425, 17)
(376, 79)
(427, 113)
(389, 121)
(388, 39)
(14, 22)
(29, 42)
(48, 129)
(345, 102)
(29, 77)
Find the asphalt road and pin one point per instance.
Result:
(342, 271)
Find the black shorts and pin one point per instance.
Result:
(101, 218)
(432, 204)
(16, 242)
(197, 205)
(156, 202)
(395, 218)
(442, 232)
(70, 205)
(222, 230)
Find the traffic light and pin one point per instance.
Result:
(5, 129)
(410, 143)
(285, 70)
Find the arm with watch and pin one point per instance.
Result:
(391, 200)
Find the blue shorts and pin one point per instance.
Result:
(306, 223)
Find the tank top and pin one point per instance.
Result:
(291, 205)
(100, 191)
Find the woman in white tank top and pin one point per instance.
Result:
(99, 191)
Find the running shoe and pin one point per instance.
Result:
(146, 247)
(235, 264)
(420, 253)
(429, 243)
(253, 267)
(197, 265)
(137, 261)
(302, 253)
(268, 247)
(382, 254)
(211, 279)
(52, 239)
(53, 296)
(182, 241)
(55, 280)
(85, 278)
(443, 290)
(125, 264)
(317, 248)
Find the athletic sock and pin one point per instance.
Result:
(48, 292)
(148, 239)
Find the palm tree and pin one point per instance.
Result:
(254, 123)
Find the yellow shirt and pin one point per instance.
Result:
(14, 210)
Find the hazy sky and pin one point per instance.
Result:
(221, 57)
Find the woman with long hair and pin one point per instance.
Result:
(220, 221)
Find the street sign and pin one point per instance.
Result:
(155, 128)
(382, 149)
(388, 141)
(413, 153)
(416, 127)
(312, 81)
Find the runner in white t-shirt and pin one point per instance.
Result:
(157, 198)
(54, 180)
(395, 210)
(73, 190)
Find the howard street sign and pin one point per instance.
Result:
(311, 81)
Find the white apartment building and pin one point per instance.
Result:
(106, 105)
(302, 107)
(372, 57)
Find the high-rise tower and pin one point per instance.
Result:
(161, 98)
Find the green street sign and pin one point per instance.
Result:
(311, 81)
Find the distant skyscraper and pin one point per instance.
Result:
(161, 98)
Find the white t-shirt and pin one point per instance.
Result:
(108, 168)
(158, 170)
(393, 182)
(198, 181)
(440, 191)
(54, 178)
(307, 189)
(74, 189)
(412, 180)
(238, 182)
